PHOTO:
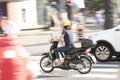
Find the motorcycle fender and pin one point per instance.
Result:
(85, 56)
(93, 59)
(47, 54)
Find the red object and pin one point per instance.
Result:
(13, 59)
(85, 52)
(68, 1)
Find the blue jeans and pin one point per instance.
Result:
(61, 49)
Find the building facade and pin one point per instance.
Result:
(26, 13)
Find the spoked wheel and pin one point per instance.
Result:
(46, 64)
(103, 52)
(86, 65)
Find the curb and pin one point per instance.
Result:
(34, 29)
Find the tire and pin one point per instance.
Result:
(102, 52)
(46, 64)
(86, 65)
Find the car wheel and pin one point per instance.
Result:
(102, 52)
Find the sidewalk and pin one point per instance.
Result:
(87, 29)
(90, 25)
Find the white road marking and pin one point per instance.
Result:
(108, 76)
(107, 65)
(104, 70)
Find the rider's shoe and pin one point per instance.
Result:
(58, 66)
(58, 63)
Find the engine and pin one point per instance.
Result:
(76, 63)
(75, 60)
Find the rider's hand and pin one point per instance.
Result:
(53, 40)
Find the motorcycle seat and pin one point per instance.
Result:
(72, 51)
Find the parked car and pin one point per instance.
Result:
(107, 44)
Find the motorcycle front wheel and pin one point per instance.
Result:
(86, 65)
(46, 64)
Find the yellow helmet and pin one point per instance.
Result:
(66, 22)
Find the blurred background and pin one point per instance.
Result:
(31, 14)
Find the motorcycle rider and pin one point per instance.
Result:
(67, 35)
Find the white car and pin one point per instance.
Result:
(107, 44)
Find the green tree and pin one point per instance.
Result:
(111, 13)
(110, 7)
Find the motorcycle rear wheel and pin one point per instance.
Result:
(46, 64)
(86, 65)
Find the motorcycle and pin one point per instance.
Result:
(76, 58)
